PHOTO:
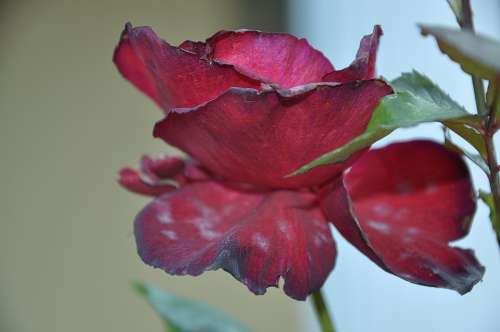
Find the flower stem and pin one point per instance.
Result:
(466, 22)
(477, 84)
(324, 318)
(494, 177)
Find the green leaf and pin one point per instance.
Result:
(470, 134)
(183, 315)
(487, 198)
(477, 55)
(492, 94)
(417, 100)
(456, 7)
(493, 98)
(463, 12)
(475, 158)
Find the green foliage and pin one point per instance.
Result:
(463, 13)
(183, 315)
(487, 198)
(492, 95)
(456, 7)
(470, 134)
(416, 100)
(493, 99)
(477, 55)
(474, 157)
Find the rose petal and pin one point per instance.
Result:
(162, 167)
(161, 174)
(259, 138)
(401, 206)
(171, 76)
(257, 237)
(196, 47)
(363, 67)
(133, 181)
(271, 57)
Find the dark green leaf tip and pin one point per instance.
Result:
(140, 288)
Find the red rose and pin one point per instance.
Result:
(250, 108)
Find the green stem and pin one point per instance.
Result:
(324, 319)
(478, 86)
(494, 177)
(466, 22)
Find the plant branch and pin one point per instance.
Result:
(494, 177)
(478, 86)
(465, 21)
(324, 319)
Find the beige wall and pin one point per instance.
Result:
(68, 123)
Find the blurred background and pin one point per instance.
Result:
(69, 122)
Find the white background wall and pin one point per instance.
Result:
(362, 296)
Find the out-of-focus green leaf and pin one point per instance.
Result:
(493, 98)
(417, 100)
(490, 95)
(477, 55)
(475, 158)
(469, 134)
(456, 7)
(463, 12)
(487, 198)
(183, 315)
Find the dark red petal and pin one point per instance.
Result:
(196, 47)
(194, 172)
(162, 167)
(363, 67)
(135, 182)
(259, 138)
(171, 76)
(271, 57)
(401, 206)
(161, 174)
(257, 237)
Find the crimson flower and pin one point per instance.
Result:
(249, 108)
